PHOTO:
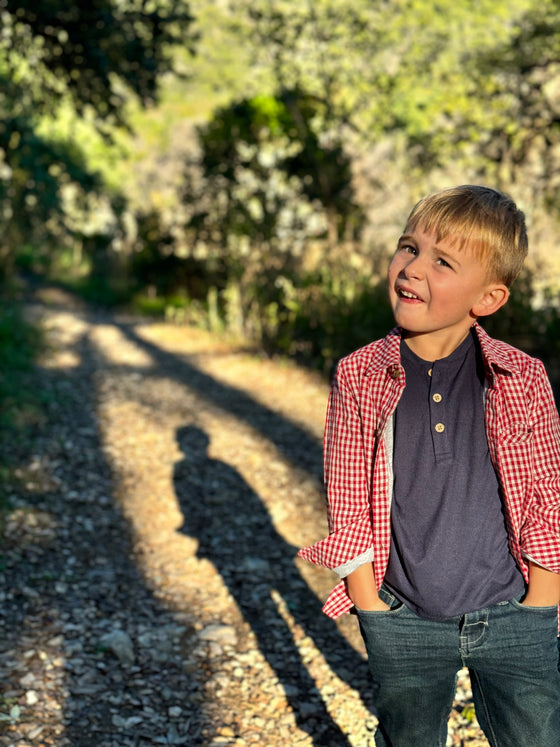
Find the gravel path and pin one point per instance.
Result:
(150, 593)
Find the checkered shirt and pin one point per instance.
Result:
(523, 431)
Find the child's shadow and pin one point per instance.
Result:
(235, 532)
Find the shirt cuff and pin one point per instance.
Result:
(346, 568)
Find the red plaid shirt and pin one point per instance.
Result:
(523, 431)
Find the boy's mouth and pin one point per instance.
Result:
(404, 293)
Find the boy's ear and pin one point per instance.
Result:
(493, 299)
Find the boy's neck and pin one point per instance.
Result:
(434, 345)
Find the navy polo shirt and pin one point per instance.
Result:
(449, 546)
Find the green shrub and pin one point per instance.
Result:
(18, 345)
(20, 405)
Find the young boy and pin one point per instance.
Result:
(442, 470)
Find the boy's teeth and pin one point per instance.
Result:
(407, 294)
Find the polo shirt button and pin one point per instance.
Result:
(439, 427)
(437, 397)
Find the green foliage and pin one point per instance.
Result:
(37, 179)
(20, 406)
(286, 132)
(88, 50)
(101, 290)
(326, 316)
(405, 65)
(89, 59)
(19, 343)
(522, 76)
(267, 191)
(330, 118)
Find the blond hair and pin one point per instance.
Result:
(484, 219)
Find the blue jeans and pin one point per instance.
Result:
(511, 652)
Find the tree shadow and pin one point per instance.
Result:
(236, 533)
(298, 445)
(68, 578)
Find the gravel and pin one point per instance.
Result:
(150, 592)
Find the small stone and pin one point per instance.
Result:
(224, 634)
(120, 644)
(31, 697)
(56, 641)
(27, 680)
(35, 732)
(306, 710)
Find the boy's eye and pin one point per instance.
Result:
(408, 248)
(443, 263)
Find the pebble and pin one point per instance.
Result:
(120, 644)
(224, 634)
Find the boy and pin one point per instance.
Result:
(442, 470)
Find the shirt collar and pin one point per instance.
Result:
(494, 353)
(388, 357)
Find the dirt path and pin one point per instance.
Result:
(151, 594)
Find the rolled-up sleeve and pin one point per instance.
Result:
(540, 530)
(347, 479)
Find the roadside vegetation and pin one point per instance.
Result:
(21, 403)
(248, 165)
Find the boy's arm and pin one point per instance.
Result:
(544, 587)
(361, 588)
(350, 539)
(539, 512)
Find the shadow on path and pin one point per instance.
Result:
(68, 578)
(299, 446)
(236, 533)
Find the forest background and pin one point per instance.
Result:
(247, 165)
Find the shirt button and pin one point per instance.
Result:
(437, 397)
(429, 372)
(439, 427)
(394, 373)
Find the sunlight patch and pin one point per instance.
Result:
(117, 349)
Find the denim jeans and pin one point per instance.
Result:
(511, 652)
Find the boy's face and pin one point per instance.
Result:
(437, 291)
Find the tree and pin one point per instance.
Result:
(94, 52)
(91, 56)
(379, 66)
(523, 136)
(272, 186)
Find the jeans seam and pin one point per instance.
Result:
(492, 736)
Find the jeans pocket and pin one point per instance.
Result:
(540, 611)
(386, 596)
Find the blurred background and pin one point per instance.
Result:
(247, 166)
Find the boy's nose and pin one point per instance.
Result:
(414, 268)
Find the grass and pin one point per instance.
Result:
(19, 343)
(20, 404)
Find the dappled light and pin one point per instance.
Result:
(117, 350)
